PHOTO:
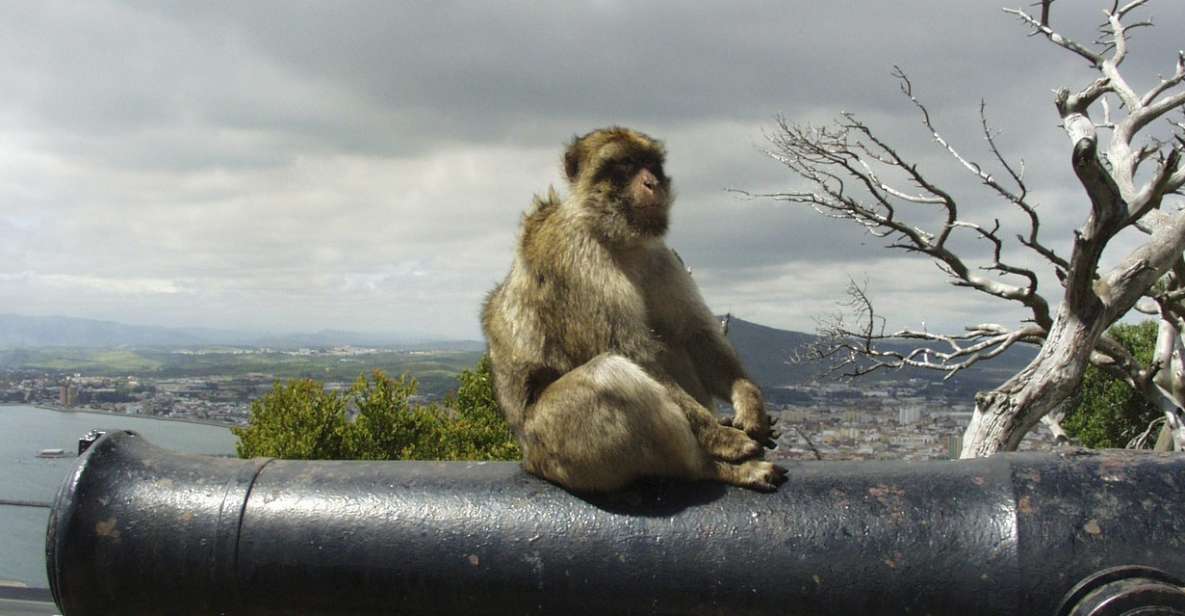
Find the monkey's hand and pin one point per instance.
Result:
(750, 414)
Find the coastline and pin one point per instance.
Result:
(62, 409)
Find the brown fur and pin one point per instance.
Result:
(606, 360)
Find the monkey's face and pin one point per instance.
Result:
(642, 191)
(618, 174)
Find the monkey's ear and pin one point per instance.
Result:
(572, 161)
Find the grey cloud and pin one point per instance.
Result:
(396, 77)
(307, 164)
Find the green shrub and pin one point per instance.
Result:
(302, 420)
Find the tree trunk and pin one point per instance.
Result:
(1169, 389)
(1164, 441)
(1004, 415)
(1174, 427)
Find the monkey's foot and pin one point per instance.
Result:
(753, 474)
(729, 444)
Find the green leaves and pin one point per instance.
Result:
(297, 420)
(302, 420)
(477, 430)
(1107, 412)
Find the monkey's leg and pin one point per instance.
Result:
(608, 423)
(723, 442)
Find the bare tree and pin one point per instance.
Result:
(854, 175)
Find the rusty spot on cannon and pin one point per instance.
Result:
(885, 494)
(1030, 475)
(106, 528)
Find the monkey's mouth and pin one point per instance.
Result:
(648, 219)
(652, 200)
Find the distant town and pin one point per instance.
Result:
(214, 398)
(855, 421)
(874, 420)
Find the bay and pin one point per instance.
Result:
(26, 430)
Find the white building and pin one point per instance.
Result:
(907, 415)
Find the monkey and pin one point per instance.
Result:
(605, 358)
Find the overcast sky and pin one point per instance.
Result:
(292, 165)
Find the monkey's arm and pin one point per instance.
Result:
(714, 360)
(721, 372)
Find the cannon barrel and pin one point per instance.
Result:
(136, 529)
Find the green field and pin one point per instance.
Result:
(435, 370)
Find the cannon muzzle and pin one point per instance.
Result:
(136, 529)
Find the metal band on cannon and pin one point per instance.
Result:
(140, 530)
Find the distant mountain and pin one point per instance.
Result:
(767, 352)
(332, 337)
(17, 331)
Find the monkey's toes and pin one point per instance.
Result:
(777, 474)
(766, 477)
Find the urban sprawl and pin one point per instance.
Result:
(820, 420)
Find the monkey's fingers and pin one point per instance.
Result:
(726, 421)
(765, 436)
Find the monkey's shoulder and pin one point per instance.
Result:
(546, 202)
(542, 208)
(543, 230)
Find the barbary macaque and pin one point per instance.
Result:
(606, 360)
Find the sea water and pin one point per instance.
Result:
(26, 430)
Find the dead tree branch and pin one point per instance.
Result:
(852, 174)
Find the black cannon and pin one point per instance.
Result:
(140, 530)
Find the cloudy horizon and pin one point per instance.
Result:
(285, 166)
